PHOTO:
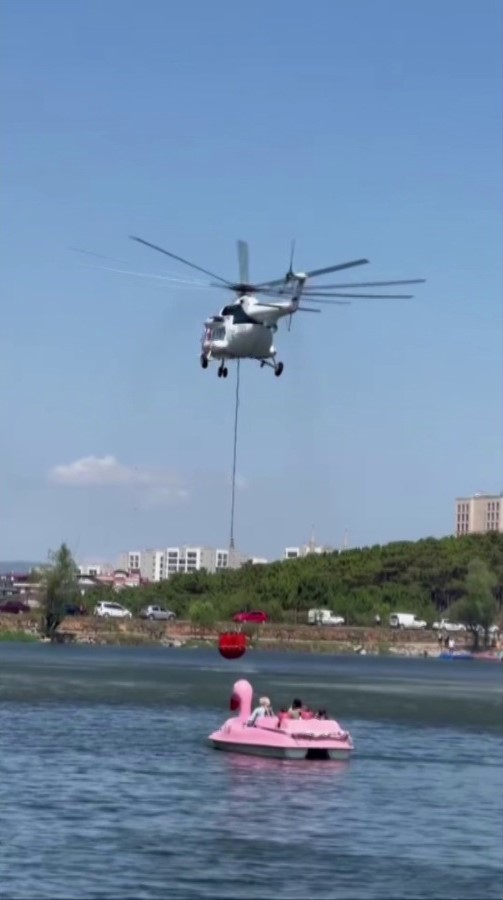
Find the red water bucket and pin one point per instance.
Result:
(232, 644)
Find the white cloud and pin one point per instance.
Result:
(93, 470)
(106, 471)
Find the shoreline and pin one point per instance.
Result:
(357, 640)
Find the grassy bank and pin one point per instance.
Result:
(16, 635)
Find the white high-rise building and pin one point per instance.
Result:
(156, 565)
(187, 559)
(153, 565)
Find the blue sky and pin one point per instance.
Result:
(361, 128)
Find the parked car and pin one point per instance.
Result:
(446, 625)
(75, 609)
(14, 607)
(323, 617)
(157, 613)
(255, 615)
(405, 620)
(107, 610)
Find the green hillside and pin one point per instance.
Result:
(424, 577)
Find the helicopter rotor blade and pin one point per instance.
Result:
(292, 254)
(285, 307)
(292, 251)
(179, 259)
(306, 300)
(98, 255)
(245, 289)
(315, 272)
(323, 287)
(244, 262)
(329, 302)
(274, 305)
(170, 279)
(318, 294)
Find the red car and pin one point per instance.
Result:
(256, 615)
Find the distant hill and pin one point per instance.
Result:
(19, 566)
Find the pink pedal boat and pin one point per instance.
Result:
(292, 739)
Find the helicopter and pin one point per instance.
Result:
(245, 328)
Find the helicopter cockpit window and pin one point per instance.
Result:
(239, 316)
(216, 332)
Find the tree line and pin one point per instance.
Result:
(458, 576)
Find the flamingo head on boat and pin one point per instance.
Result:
(241, 698)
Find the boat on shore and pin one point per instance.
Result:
(488, 656)
(456, 654)
(279, 738)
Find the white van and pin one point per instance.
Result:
(405, 620)
(323, 617)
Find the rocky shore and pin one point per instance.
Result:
(301, 638)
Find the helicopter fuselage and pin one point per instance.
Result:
(240, 331)
(226, 340)
(244, 330)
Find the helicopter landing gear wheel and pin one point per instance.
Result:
(204, 361)
(278, 369)
(222, 371)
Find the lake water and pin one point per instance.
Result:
(109, 790)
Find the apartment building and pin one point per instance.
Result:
(156, 565)
(191, 559)
(479, 514)
(153, 565)
(94, 570)
(130, 561)
(306, 550)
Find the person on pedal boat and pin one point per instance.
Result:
(264, 708)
